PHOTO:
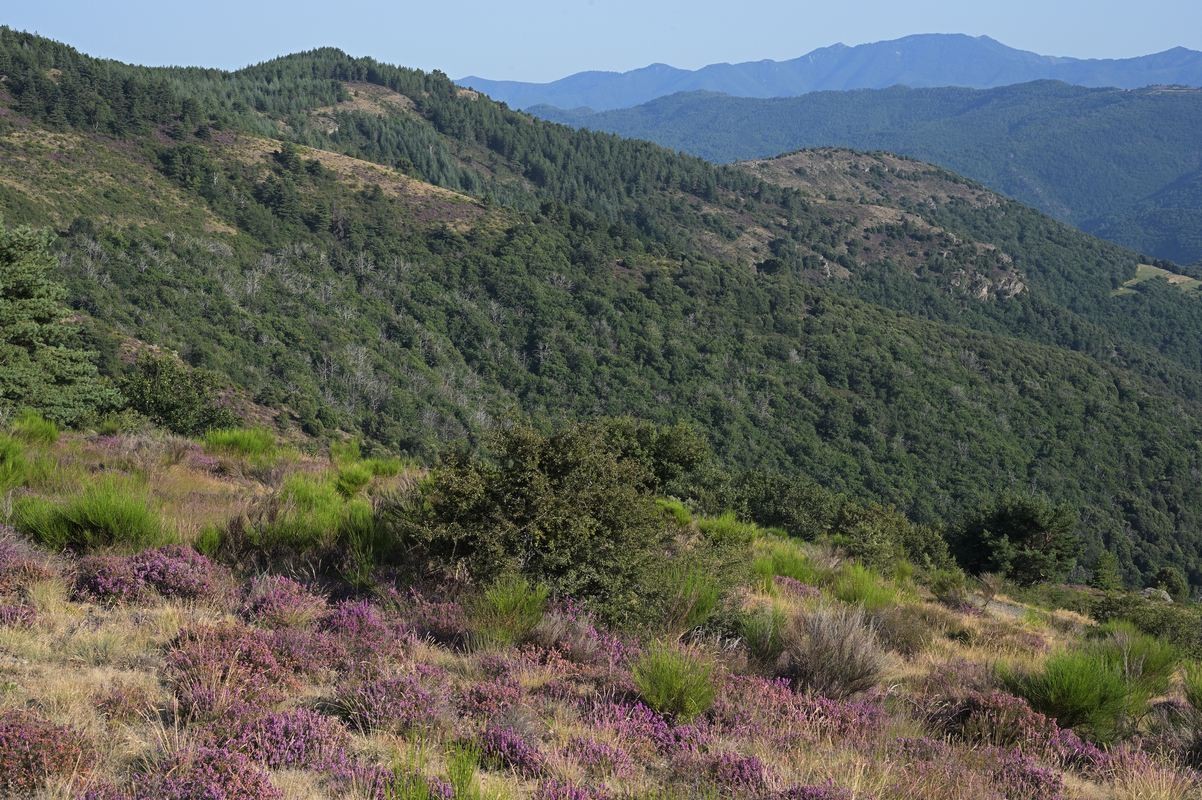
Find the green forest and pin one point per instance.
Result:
(350, 248)
(1121, 164)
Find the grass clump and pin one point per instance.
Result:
(675, 681)
(779, 557)
(676, 510)
(861, 586)
(508, 611)
(1079, 688)
(832, 651)
(352, 478)
(33, 428)
(256, 444)
(309, 514)
(763, 630)
(109, 513)
(1192, 680)
(1100, 687)
(728, 530)
(692, 596)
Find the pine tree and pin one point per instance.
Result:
(41, 365)
(1106, 575)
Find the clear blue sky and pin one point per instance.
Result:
(546, 39)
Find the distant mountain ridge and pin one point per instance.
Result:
(923, 60)
(1124, 164)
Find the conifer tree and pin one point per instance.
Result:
(42, 366)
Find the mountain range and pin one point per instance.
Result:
(365, 250)
(925, 60)
(1120, 163)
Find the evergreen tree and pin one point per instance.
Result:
(41, 364)
(1027, 539)
(1106, 574)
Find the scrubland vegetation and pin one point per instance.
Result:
(553, 616)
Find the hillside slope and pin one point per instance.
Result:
(377, 251)
(1121, 164)
(923, 60)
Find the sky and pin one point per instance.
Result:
(540, 40)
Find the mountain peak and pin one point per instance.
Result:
(919, 60)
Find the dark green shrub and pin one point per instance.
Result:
(949, 586)
(675, 681)
(109, 513)
(566, 510)
(1027, 539)
(172, 394)
(1172, 580)
(798, 506)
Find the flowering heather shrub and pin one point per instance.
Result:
(443, 623)
(825, 791)
(505, 748)
(600, 759)
(308, 652)
(125, 702)
(209, 773)
(739, 773)
(952, 678)
(219, 668)
(752, 707)
(1019, 777)
(16, 615)
(551, 789)
(107, 579)
(991, 718)
(33, 749)
(279, 602)
(20, 563)
(177, 571)
(1072, 752)
(298, 738)
(795, 588)
(633, 723)
(172, 571)
(491, 699)
(396, 703)
(568, 630)
(1003, 720)
(365, 631)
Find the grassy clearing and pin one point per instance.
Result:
(1147, 272)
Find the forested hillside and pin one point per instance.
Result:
(1121, 164)
(356, 247)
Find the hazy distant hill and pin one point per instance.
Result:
(1120, 163)
(918, 61)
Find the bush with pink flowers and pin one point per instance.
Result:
(33, 750)
(211, 773)
(220, 668)
(280, 602)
